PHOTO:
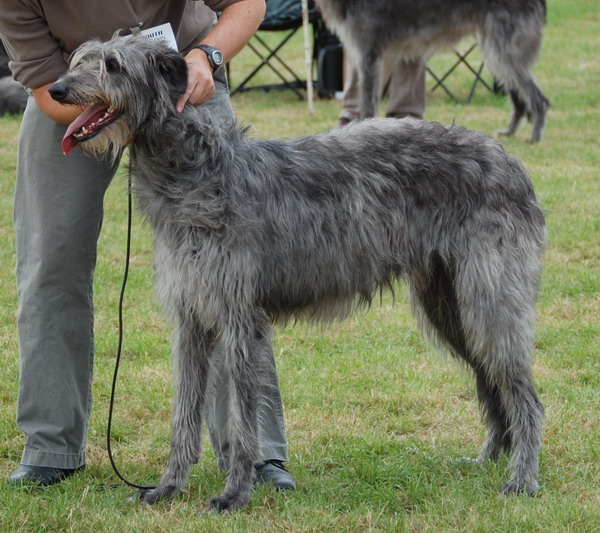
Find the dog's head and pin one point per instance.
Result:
(123, 84)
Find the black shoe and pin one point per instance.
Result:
(40, 475)
(273, 472)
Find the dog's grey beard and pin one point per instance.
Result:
(110, 142)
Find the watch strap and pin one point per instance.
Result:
(215, 56)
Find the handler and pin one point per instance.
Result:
(403, 80)
(58, 214)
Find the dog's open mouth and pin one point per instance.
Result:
(88, 125)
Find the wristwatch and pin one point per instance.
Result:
(215, 56)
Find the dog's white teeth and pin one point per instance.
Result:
(108, 113)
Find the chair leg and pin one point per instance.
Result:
(265, 60)
(440, 83)
(462, 60)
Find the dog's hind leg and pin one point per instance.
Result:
(498, 437)
(519, 111)
(510, 47)
(537, 105)
(473, 316)
(244, 345)
(194, 345)
(527, 97)
(497, 288)
(437, 308)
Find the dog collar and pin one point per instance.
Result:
(215, 56)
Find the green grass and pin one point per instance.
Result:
(377, 422)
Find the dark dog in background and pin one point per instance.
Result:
(509, 33)
(250, 232)
(13, 96)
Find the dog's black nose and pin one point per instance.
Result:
(58, 91)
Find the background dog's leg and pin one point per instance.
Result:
(510, 47)
(527, 98)
(243, 361)
(519, 111)
(538, 106)
(369, 73)
(192, 359)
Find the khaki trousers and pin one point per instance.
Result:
(58, 216)
(403, 81)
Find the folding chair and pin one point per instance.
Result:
(462, 60)
(281, 16)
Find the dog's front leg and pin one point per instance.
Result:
(243, 361)
(192, 349)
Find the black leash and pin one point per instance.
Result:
(120, 344)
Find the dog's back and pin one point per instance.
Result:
(509, 33)
(374, 200)
(419, 28)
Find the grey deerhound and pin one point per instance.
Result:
(509, 33)
(250, 232)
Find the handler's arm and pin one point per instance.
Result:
(63, 114)
(236, 25)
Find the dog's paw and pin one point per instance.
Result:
(227, 504)
(520, 487)
(152, 496)
(475, 461)
(506, 133)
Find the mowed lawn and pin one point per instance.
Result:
(378, 422)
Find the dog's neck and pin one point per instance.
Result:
(185, 139)
(194, 143)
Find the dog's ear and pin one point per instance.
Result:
(173, 68)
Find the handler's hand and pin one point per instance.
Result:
(201, 86)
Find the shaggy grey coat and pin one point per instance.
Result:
(249, 232)
(509, 33)
(13, 96)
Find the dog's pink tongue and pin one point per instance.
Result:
(87, 117)
(68, 143)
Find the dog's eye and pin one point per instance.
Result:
(112, 65)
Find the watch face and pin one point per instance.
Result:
(217, 57)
